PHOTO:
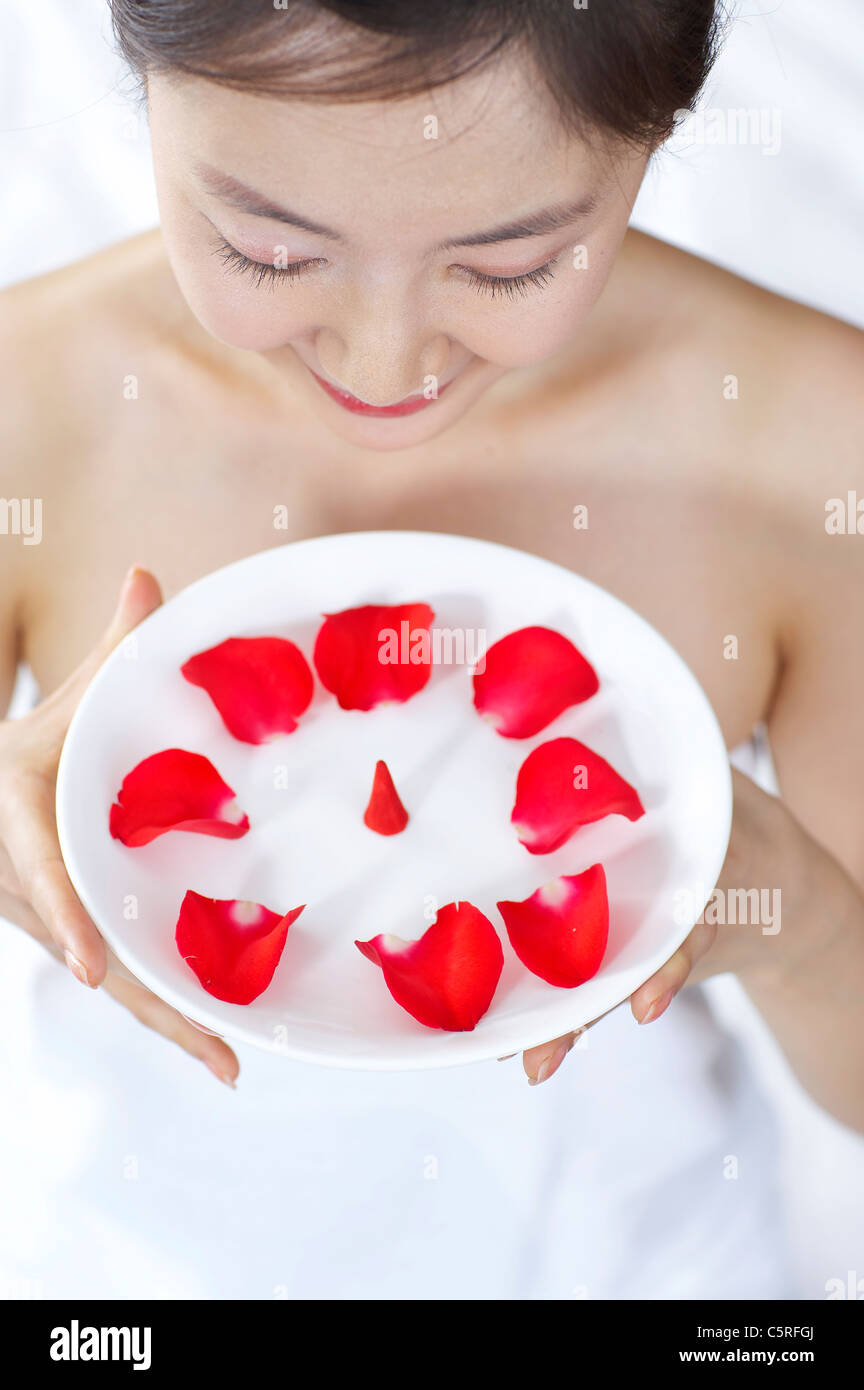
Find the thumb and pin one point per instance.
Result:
(139, 596)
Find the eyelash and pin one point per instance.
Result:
(261, 272)
(511, 286)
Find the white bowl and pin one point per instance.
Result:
(305, 795)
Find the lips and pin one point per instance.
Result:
(409, 406)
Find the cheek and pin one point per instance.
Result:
(528, 331)
(232, 308)
(241, 314)
(228, 305)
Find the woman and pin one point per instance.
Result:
(394, 287)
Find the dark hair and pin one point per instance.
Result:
(620, 66)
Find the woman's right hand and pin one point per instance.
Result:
(35, 890)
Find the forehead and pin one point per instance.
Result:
(450, 159)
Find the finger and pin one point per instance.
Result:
(29, 824)
(547, 1057)
(139, 596)
(543, 1061)
(116, 967)
(13, 908)
(33, 848)
(653, 998)
(200, 1027)
(224, 1065)
(155, 1014)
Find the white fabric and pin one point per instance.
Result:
(821, 1161)
(127, 1171)
(646, 1168)
(132, 1174)
(135, 1175)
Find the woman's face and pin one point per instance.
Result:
(392, 259)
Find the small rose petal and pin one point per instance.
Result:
(448, 977)
(562, 785)
(232, 946)
(529, 678)
(370, 655)
(259, 685)
(175, 790)
(385, 813)
(561, 931)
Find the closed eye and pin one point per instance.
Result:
(495, 286)
(511, 286)
(262, 272)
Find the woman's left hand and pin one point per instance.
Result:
(769, 855)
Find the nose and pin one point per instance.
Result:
(381, 356)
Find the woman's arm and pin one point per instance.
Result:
(807, 979)
(814, 1003)
(10, 605)
(35, 891)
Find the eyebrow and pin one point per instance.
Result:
(550, 219)
(238, 195)
(245, 199)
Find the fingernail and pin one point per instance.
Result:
(549, 1065)
(78, 968)
(128, 581)
(200, 1027)
(655, 1009)
(221, 1075)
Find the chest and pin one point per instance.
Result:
(688, 560)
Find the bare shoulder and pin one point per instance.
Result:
(72, 343)
(780, 385)
(787, 442)
(67, 337)
(55, 343)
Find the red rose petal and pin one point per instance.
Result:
(549, 807)
(561, 931)
(448, 977)
(530, 677)
(385, 813)
(175, 790)
(361, 667)
(233, 947)
(259, 685)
